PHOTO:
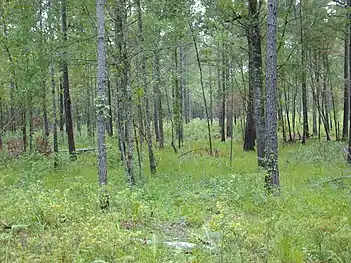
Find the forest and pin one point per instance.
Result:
(175, 131)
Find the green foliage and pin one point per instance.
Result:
(50, 215)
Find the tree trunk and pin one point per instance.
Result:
(346, 83)
(54, 112)
(65, 84)
(250, 131)
(101, 109)
(152, 159)
(223, 95)
(211, 94)
(62, 108)
(158, 112)
(45, 114)
(127, 96)
(272, 177)
(109, 118)
(256, 78)
(202, 89)
(303, 79)
(24, 127)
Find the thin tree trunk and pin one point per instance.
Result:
(45, 114)
(109, 118)
(24, 128)
(172, 123)
(62, 108)
(286, 98)
(126, 89)
(202, 89)
(211, 94)
(158, 98)
(138, 151)
(303, 79)
(223, 95)
(31, 132)
(54, 112)
(152, 159)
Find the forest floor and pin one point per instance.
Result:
(196, 208)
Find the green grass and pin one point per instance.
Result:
(53, 216)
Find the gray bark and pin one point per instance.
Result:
(256, 78)
(101, 107)
(346, 83)
(272, 177)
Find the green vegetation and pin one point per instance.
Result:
(54, 216)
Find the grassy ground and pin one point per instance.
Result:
(53, 216)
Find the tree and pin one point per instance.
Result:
(272, 177)
(152, 160)
(65, 85)
(102, 110)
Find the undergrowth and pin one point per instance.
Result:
(50, 215)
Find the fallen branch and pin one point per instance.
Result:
(174, 244)
(335, 179)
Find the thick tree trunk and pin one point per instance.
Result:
(256, 78)
(346, 83)
(65, 84)
(272, 177)
(101, 110)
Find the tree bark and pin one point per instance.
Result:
(250, 131)
(256, 78)
(66, 91)
(54, 112)
(272, 177)
(101, 107)
(303, 79)
(346, 81)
